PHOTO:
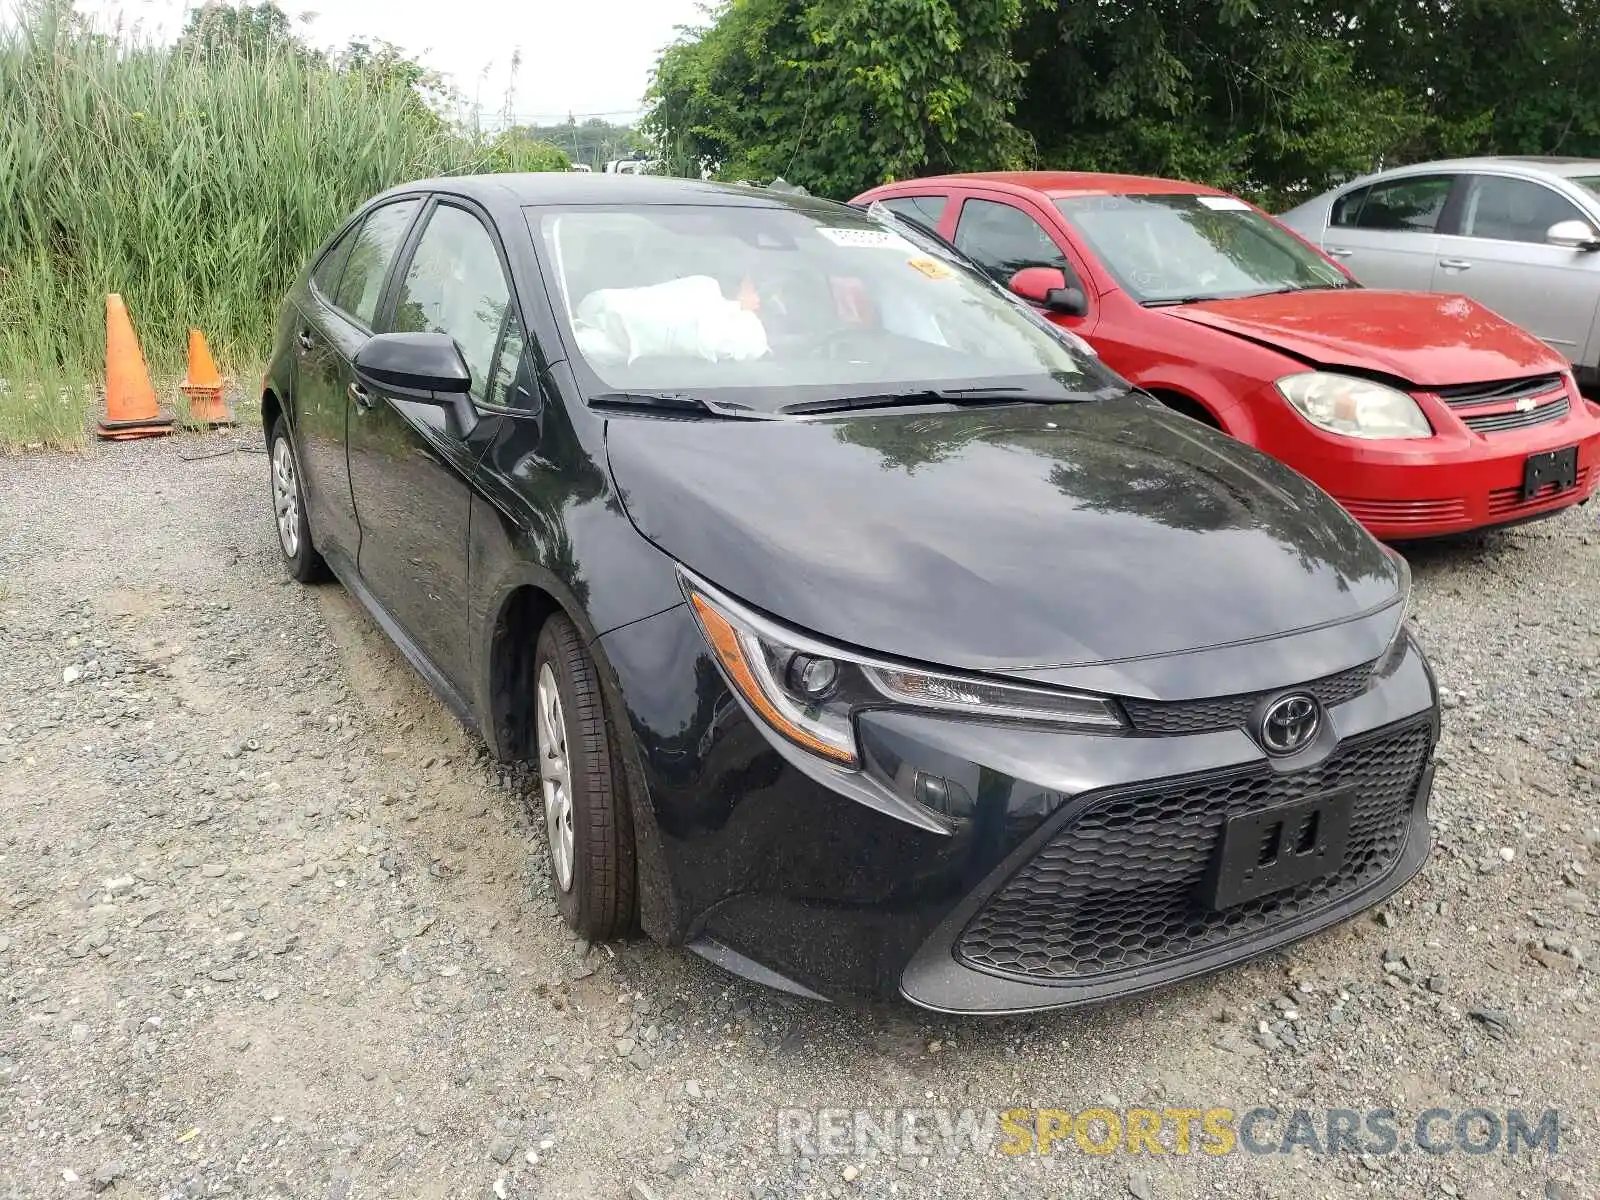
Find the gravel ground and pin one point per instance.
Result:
(271, 923)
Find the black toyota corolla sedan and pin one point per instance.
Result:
(870, 636)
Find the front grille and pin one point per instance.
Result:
(1167, 718)
(1499, 391)
(1116, 888)
(1507, 502)
(1405, 512)
(1502, 421)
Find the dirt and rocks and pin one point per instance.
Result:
(271, 924)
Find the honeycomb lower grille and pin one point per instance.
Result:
(1169, 718)
(1117, 887)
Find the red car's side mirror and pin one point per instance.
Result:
(1048, 286)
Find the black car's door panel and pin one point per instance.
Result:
(409, 468)
(335, 313)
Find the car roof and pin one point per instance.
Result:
(578, 187)
(1532, 164)
(1071, 183)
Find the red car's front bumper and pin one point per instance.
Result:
(1455, 481)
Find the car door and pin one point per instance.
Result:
(335, 316)
(1495, 251)
(409, 463)
(1387, 231)
(1004, 234)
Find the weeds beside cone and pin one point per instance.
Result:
(131, 410)
(203, 385)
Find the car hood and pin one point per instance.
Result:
(996, 539)
(1429, 340)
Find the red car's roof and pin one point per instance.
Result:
(1072, 183)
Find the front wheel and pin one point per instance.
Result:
(289, 509)
(583, 787)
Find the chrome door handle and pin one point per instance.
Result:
(359, 396)
(1339, 252)
(1454, 264)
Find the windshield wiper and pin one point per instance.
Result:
(1296, 287)
(1277, 291)
(1174, 303)
(973, 397)
(681, 404)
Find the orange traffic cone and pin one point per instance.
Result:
(203, 385)
(131, 410)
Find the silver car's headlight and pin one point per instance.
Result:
(1354, 407)
(810, 692)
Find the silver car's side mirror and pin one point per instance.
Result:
(1574, 235)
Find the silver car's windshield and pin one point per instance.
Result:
(787, 302)
(1591, 182)
(1171, 248)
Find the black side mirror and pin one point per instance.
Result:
(1068, 300)
(1049, 288)
(427, 368)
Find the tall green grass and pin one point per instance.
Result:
(194, 184)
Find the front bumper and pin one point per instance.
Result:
(1454, 482)
(879, 883)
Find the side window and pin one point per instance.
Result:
(507, 362)
(370, 256)
(1347, 208)
(925, 209)
(326, 277)
(1406, 205)
(1003, 240)
(1513, 210)
(455, 285)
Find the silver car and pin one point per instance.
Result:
(1520, 235)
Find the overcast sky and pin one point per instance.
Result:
(588, 57)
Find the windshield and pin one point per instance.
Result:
(772, 305)
(1171, 248)
(1591, 182)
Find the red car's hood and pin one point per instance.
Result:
(1429, 340)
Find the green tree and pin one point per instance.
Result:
(252, 30)
(838, 95)
(517, 149)
(1257, 96)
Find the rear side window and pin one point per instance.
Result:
(1406, 205)
(326, 276)
(925, 209)
(1004, 239)
(454, 285)
(1513, 210)
(370, 255)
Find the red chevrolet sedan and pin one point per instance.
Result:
(1422, 414)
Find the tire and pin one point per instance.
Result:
(582, 788)
(300, 557)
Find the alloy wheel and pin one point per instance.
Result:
(285, 497)
(555, 777)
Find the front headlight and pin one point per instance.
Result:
(1354, 407)
(1396, 649)
(810, 692)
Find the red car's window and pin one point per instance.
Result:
(1003, 239)
(1178, 248)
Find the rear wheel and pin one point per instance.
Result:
(582, 787)
(289, 509)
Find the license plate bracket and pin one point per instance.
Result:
(1279, 847)
(1559, 467)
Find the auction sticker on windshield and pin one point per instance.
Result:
(867, 238)
(1224, 203)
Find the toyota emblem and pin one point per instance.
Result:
(1290, 723)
